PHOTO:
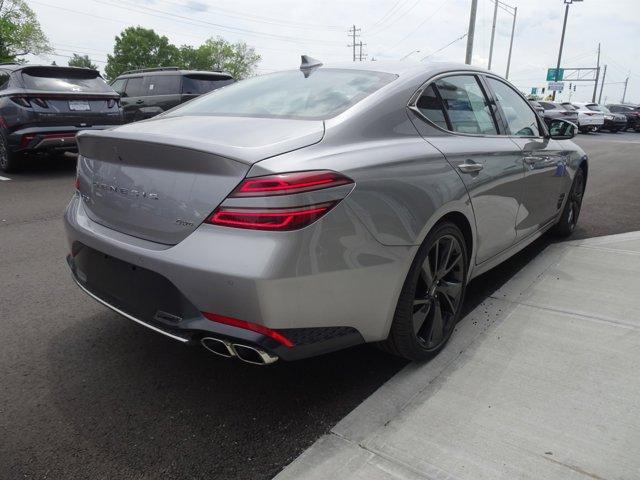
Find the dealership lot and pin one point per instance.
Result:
(87, 393)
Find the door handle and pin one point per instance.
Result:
(469, 166)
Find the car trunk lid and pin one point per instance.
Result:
(159, 179)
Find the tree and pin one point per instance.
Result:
(20, 32)
(138, 47)
(81, 61)
(238, 59)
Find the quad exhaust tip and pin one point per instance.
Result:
(246, 353)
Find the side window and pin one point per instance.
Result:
(466, 105)
(134, 87)
(162, 85)
(521, 120)
(118, 85)
(4, 79)
(430, 106)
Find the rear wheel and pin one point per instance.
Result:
(569, 218)
(432, 296)
(8, 160)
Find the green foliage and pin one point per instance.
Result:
(81, 61)
(20, 32)
(138, 47)
(238, 59)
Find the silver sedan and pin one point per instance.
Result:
(305, 211)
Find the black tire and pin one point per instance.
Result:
(571, 211)
(9, 161)
(434, 294)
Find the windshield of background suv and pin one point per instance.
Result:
(324, 94)
(64, 80)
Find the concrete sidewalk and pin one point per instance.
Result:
(540, 381)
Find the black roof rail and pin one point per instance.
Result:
(9, 63)
(156, 69)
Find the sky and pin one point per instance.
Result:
(282, 30)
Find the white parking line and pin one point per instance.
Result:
(4, 178)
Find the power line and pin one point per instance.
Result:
(386, 15)
(447, 45)
(422, 23)
(203, 23)
(394, 21)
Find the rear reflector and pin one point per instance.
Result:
(234, 322)
(281, 219)
(289, 183)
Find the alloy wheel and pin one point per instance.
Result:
(438, 294)
(4, 155)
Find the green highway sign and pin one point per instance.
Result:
(551, 74)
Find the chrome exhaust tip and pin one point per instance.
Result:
(253, 355)
(218, 346)
(246, 353)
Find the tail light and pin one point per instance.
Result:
(76, 184)
(234, 322)
(279, 219)
(40, 102)
(22, 101)
(26, 139)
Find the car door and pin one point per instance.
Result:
(544, 160)
(489, 164)
(133, 98)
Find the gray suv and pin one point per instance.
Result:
(146, 93)
(43, 107)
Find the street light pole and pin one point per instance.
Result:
(472, 29)
(493, 32)
(595, 87)
(513, 29)
(564, 28)
(604, 76)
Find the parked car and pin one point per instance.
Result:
(552, 110)
(43, 107)
(148, 92)
(613, 122)
(588, 120)
(301, 212)
(537, 107)
(631, 112)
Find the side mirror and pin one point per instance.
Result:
(561, 129)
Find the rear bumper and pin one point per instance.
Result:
(588, 121)
(614, 124)
(48, 138)
(321, 300)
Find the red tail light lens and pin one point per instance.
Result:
(282, 219)
(289, 183)
(77, 184)
(234, 322)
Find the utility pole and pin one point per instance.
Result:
(604, 76)
(361, 56)
(493, 32)
(595, 87)
(624, 94)
(472, 29)
(513, 30)
(564, 28)
(353, 33)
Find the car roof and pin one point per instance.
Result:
(406, 68)
(14, 67)
(144, 73)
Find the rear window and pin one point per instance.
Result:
(568, 106)
(548, 106)
(64, 80)
(323, 94)
(594, 107)
(199, 84)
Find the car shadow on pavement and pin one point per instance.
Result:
(150, 407)
(138, 405)
(46, 166)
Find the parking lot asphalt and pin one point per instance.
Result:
(85, 393)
